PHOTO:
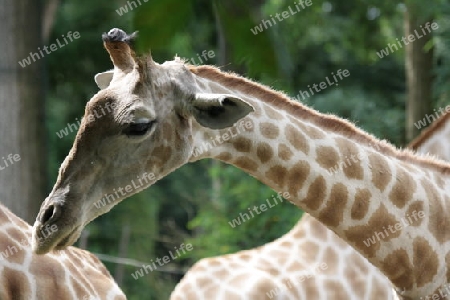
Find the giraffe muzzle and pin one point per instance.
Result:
(50, 215)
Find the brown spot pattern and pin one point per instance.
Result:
(310, 130)
(373, 230)
(299, 234)
(439, 222)
(332, 260)
(381, 173)
(242, 144)
(357, 282)
(269, 266)
(297, 139)
(280, 258)
(327, 157)
(277, 174)
(403, 189)
(361, 204)
(269, 130)
(246, 164)
(213, 263)
(353, 168)
(162, 152)
(228, 294)
(3, 217)
(14, 283)
(272, 114)
(297, 176)
(246, 256)
(333, 213)
(10, 249)
(264, 152)
(224, 156)
(398, 269)
(262, 287)
(202, 281)
(295, 266)
(350, 152)
(284, 152)
(337, 288)
(316, 194)
(45, 266)
(313, 251)
(310, 288)
(414, 220)
(425, 262)
(314, 132)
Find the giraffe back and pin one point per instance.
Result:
(71, 274)
(308, 262)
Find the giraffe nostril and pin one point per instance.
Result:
(51, 213)
(47, 214)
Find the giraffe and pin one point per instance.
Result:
(307, 243)
(434, 139)
(308, 262)
(358, 186)
(70, 274)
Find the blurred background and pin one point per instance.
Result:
(43, 93)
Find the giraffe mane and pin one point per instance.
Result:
(328, 121)
(429, 131)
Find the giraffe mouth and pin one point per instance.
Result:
(43, 244)
(69, 240)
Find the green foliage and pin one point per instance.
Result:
(238, 193)
(371, 112)
(155, 26)
(442, 56)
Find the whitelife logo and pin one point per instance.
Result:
(49, 49)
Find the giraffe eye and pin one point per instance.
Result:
(139, 128)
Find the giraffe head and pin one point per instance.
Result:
(136, 129)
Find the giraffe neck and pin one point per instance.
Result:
(434, 139)
(391, 207)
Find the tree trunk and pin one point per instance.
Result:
(419, 64)
(22, 156)
(123, 252)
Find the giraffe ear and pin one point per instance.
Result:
(218, 111)
(103, 79)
